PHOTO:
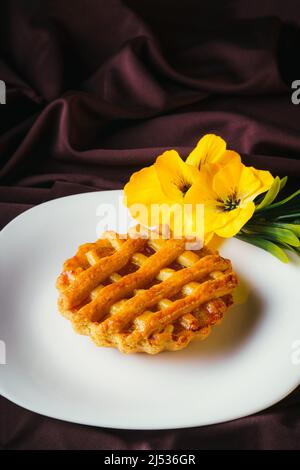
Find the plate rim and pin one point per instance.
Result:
(255, 411)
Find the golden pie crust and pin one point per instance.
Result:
(144, 293)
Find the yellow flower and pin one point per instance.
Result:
(166, 183)
(176, 176)
(170, 178)
(228, 196)
(211, 149)
(211, 175)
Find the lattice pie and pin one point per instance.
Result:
(144, 293)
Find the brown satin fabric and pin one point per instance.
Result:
(96, 90)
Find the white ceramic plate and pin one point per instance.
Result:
(248, 363)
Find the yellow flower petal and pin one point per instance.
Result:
(201, 190)
(230, 156)
(209, 149)
(226, 180)
(144, 189)
(249, 184)
(266, 179)
(175, 176)
(253, 182)
(234, 220)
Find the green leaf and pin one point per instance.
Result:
(283, 201)
(289, 216)
(283, 182)
(266, 245)
(293, 227)
(280, 212)
(291, 248)
(281, 235)
(270, 195)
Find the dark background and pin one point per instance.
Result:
(95, 90)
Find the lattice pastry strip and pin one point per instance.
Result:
(186, 259)
(156, 306)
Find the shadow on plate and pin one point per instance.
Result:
(239, 323)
